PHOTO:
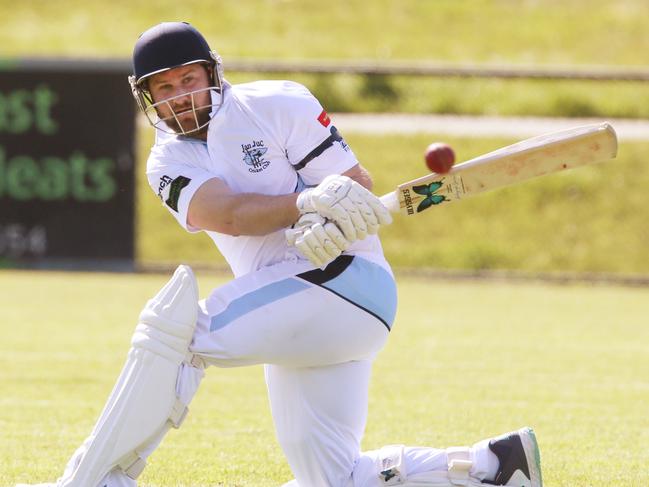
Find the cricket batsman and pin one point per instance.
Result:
(262, 170)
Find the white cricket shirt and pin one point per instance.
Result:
(268, 137)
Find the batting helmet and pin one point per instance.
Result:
(166, 46)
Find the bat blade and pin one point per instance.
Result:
(530, 158)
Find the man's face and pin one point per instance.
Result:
(175, 86)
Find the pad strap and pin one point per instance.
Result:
(133, 465)
(459, 465)
(393, 468)
(195, 361)
(178, 414)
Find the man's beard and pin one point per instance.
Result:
(189, 125)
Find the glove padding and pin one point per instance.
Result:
(319, 240)
(355, 210)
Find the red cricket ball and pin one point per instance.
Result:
(439, 157)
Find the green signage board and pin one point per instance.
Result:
(66, 166)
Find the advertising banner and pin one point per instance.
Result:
(66, 166)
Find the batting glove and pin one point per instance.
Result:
(355, 210)
(317, 239)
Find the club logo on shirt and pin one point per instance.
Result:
(253, 155)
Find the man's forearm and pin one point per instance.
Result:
(258, 214)
(359, 174)
(215, 208)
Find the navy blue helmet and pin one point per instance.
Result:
(168, 45)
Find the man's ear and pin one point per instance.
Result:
(209, 68)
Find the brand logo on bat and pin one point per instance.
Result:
(430, 197)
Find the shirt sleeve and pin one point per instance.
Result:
(314, 147)
(175, 182)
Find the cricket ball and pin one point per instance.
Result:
(439, 157)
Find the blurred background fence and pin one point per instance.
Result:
(366, 68)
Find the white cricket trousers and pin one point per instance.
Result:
(317, 332)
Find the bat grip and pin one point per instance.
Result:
(391, 202)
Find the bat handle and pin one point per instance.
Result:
(391, 202)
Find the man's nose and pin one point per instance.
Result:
(182, 98)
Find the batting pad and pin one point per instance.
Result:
(393, 470)
(143, 403)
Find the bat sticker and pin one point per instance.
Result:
(429, 190)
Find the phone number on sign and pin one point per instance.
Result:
(17, 240)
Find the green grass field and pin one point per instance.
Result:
(466, 360)
(546, 32)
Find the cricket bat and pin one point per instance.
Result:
(530, 158)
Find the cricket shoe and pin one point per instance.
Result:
(519, 457)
